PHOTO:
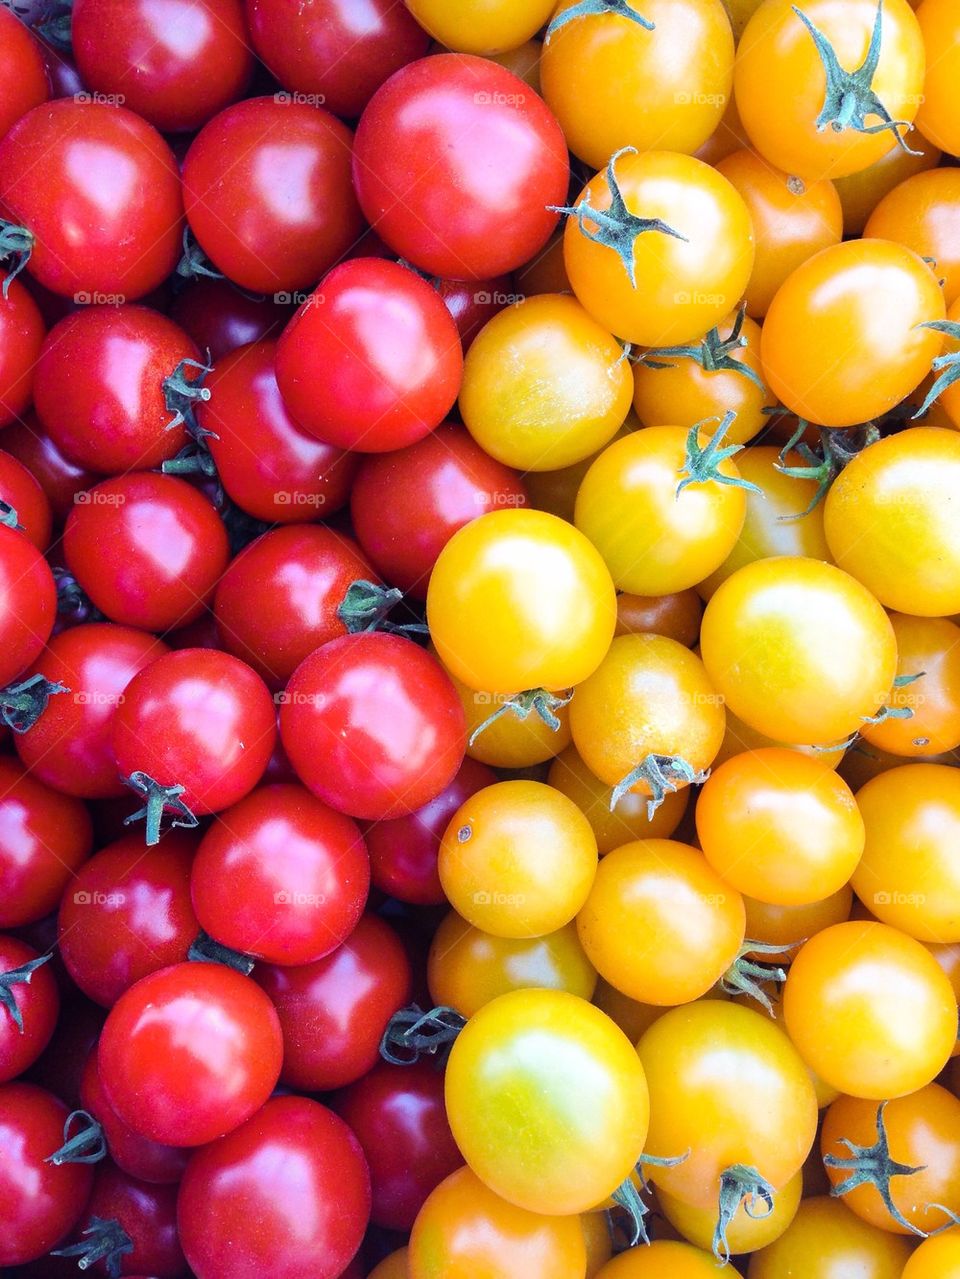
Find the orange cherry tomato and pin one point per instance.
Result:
(927, 648)
(923, 213)
(939, 117)
(860, 193)
(677, 616)
(826, 1241)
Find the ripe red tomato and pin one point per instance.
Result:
(398, 1116)
(334, 1011)
(407, 505)
(372, 360)
(28, 603)
(59, 476)
(266, 463)
(21, 335)
(473, 302)
(267, 191)
(70, 747)
(23, 79)
(147, 549)
(25, 502)
(175, 62)
(39, 1202)
(200, 719)
(97, 188)
(220, 318)
(44, 837)
(373, 725)
(455, 163)
(332, 52)
(286, 1195)
(190, 1052)
(147, 1216)
(128, 913)
(281, 876)
(29, 1004)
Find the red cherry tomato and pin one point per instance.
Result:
(44, 837)
(98, 190)
(29, 1004)
(372, 360)
(59, 1067)
(333, 1012)
(28, 604)
(398, 1115)
(147, 1215)
(404, 851)
(23, 79)
(373, 725)
(334, 52)
(407, 505)
(25, 502)
(127, 914)
(148, 549)
(21, 335)
(456, 162)
(220, 318)
(175, 62)
(266, 463)
(59, 476)
(267, 190)
(190, 1052)
(287, 1195)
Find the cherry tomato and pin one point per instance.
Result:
(372, 725)
(332, 53)
(790, 926)
(219, 317)
(22, 72)
(26, 501)
(455, 165)
(482, 26)
(861, 192)
(663, 1259)
(189, 1052)
(44, 837)
(520, 600)
(59, 477)
(568, 1145)
(670, 282)
(472, 303)
(922, 214)
(840, 343)
(21, 336)
(798, 649)
(176, 64)
(519, 736)
(266, 463)
(782, 88)
(385, 350)
(870, 1010)
(147, 1215)
(334, 1011)
(745, 1233)
(128, 913)
(659, 84)
(29, 1004)
(824, 1240)
(97, 188)
(267, 191)
(28, 603)
(936, 1258)
(937, 114)
(298, 576)
(39, 1202)
(147, 549)
(927, 647)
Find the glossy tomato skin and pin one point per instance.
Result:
(937, 116)
(267, 193)
(472, 303)
(287, 1194)
(58, 475)
(921, 213)
(147, 549)
(190, 1052)
(38, 1002)
(106, 174)
(22, 72)
(333, 1012)
(334, 50)
(824, 1240)
(39, 1202)
(281, 877)
(44, 837)
(198, 718)
(21, 491)
(398, 1116)
(456, 161)
(372, 725)
(296, 578)
(219, 317)
(372, 360)
(99, 392)
(404, 851)
(406, 505)
(128, 913)
(21, 336)
(70, 747)
(146, 1212)
(28, 604)
(266, 463)
(175, 64)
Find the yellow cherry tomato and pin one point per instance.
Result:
(659, 80)
(519, 736)
(777, 925)
(739, 737)
(556, 491)
(547, 1101)
(518, 859)
(939, 116)
(663, 1259)
(393, 1267)
(745, 1233)
(826, 1241)
(928, 655)
(518, 600)
(466, 967)
(860, 193)
(596, 1236)
(481, 26)
(670, 282)
(936, 1258)
(799, 649)
(544, 385)
(923, 213)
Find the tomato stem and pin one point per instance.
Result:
(194, 262)
(703, 461)
(838, 447)
(206, 950)
(181, 394)
(850, 96)
(16, 245)
(159, 800)
(9, 517)
(366, 605)
(872, 1165)
(17, 977)
(104, 1240)
(521, 704)
(591, 8)
(739, 1184)
(713, 353)
(72, 601)
(628, 1197)
(616, 228)
(412, 1033)
(661, 773)
(946, 366)
(21, 705)
(88, 1145)
(746, 976)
